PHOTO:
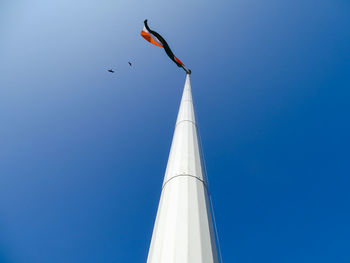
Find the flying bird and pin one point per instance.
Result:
(111, 70)
(130, 63)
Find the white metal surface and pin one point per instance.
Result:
(183, 230)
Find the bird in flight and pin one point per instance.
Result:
(129, 63)
(111, 70)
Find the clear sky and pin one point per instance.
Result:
(83, 152)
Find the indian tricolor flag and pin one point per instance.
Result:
(156, 39)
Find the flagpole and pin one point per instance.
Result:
(183, 230)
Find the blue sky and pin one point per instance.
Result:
(83, 152)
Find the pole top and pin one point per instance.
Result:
(188, 71)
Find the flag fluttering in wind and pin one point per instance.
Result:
(156, 39)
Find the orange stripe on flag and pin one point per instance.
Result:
(179, 61)
(148, 37)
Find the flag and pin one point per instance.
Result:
(156, 39)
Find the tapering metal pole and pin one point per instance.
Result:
(183, 230)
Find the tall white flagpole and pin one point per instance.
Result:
(183, 230)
